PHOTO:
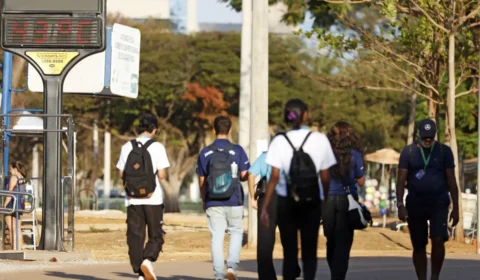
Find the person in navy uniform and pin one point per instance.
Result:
(426, 168)
(225, 213)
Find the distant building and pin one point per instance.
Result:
(183, 15)
(275, 23)
(140, 9)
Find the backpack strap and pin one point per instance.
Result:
(443, 155)
(148, 143)
(304, 140)
(288, 140)
(230, 147)
(212, 148)
(134, 143)
(410, 148)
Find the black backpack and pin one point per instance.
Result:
(261, 187)
(138, 176)
(302, 179)
(222, 183)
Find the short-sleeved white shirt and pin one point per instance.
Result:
(160, 161)
(280, 154)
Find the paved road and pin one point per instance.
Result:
(361, 268)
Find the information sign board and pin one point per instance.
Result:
(125, 61)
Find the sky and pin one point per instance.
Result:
(213, 11)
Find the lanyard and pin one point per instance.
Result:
(426, 160)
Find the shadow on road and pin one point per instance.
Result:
(122, 276)
(360, 268)
(64, 275)
(391, 268)
(126, 275)
(176, 277)
(395, 242)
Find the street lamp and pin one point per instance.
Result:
(476, 34)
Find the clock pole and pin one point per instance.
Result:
(52, 231)
(53, 36)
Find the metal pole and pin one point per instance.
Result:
(52, 208)
(478, 167)
(259, 98)
(106, 167)
(246, 75)
(6, 99)
(74, 190)
(245, 95)
(246, 87)
(35, 174)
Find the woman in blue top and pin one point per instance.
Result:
(348, 172)
(17, 184)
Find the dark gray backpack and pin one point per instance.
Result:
(222, 183)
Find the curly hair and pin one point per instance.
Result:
(343, 140)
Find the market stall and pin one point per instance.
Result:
(379, 195)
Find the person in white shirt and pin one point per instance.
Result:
(145, 211)
(291, 215)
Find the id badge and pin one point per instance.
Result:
(420, 174)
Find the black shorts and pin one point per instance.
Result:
(419, 214)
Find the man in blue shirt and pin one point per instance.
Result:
(427, 170)
(222, 195)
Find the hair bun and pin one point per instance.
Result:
(292, 116)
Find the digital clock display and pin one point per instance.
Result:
(52, 6)
(51, 32)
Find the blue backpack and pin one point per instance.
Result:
(222, 182)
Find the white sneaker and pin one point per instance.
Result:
(231, 274)
(147, 269)
(141, 278)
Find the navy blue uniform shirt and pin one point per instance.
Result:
(240, 158)
(433, 186)
(357, 171)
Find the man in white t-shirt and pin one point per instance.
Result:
(145, 211)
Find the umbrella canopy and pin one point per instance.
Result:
(384, 156)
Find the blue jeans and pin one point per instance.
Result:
(232, 218)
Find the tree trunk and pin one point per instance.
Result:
(450, 128)
(411, 118)
(91, 187)
(172, 191)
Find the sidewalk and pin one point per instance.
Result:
(361, 268)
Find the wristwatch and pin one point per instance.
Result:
(399, 204)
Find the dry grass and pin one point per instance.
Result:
(190, 240)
